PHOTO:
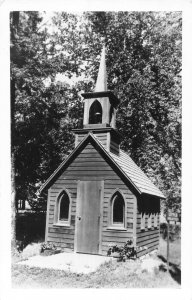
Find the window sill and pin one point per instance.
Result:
(117, 228)
(61, 225)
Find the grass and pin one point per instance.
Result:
(175, 251)
(110, 275)
(174, 259)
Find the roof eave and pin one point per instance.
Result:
(108, 93)
(160, 196)
(62, 165)
(49, 181)
(106, 153)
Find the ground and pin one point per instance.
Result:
(110, 275)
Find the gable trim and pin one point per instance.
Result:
(99, 147)
(65, 163)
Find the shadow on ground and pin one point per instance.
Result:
(174, 271)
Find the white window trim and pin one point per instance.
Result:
(155, 220)
(57, 210)
(143, 221)
(149, 221)
(116, 226)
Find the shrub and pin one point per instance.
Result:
(174, 231)
(125, 252)
(48, 246)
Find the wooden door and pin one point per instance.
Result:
(88, 216)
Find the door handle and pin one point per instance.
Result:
(79, 218)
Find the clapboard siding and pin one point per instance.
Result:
(147, 233)
(89, 164)
(61, 230)
(146, 241)
(102, 137)
(115, 239)
(121, 242)
(123, 234)
(149, 249)
(67, 237)
(59, 242)
(147, 238)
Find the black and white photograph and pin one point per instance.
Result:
(96, 148)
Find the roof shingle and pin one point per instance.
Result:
(124, 163)
(135, 174)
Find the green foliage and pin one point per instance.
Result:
(42, 116)
(48, 246)
(30, 228)
(174, 231)
(144, 71)
(144, 63)
(124, 252)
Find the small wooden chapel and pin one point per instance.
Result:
(98, 195)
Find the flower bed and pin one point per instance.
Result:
(49, 249)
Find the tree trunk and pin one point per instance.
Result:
(13, 187)
(13, 204)
(14, 19)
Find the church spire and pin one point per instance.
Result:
(100, 112)
(100, 105)
(101, 84)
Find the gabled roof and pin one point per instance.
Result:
(125, 165)
(139, 178)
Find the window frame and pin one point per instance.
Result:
(155, 220)
(149, 223)
(112, 225)
(143, 217)
(59, 222)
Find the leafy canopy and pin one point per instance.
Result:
(144, 71)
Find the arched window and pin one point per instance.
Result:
(95, 113)
(118, 210)
(63, 209)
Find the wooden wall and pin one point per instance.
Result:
(101, 136)
(88, 165)
(148, 237)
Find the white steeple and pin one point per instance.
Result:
(101, 84)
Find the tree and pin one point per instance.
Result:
(144, 65)
(42, 114)
(14, 29)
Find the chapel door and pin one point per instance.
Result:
(88, 216)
